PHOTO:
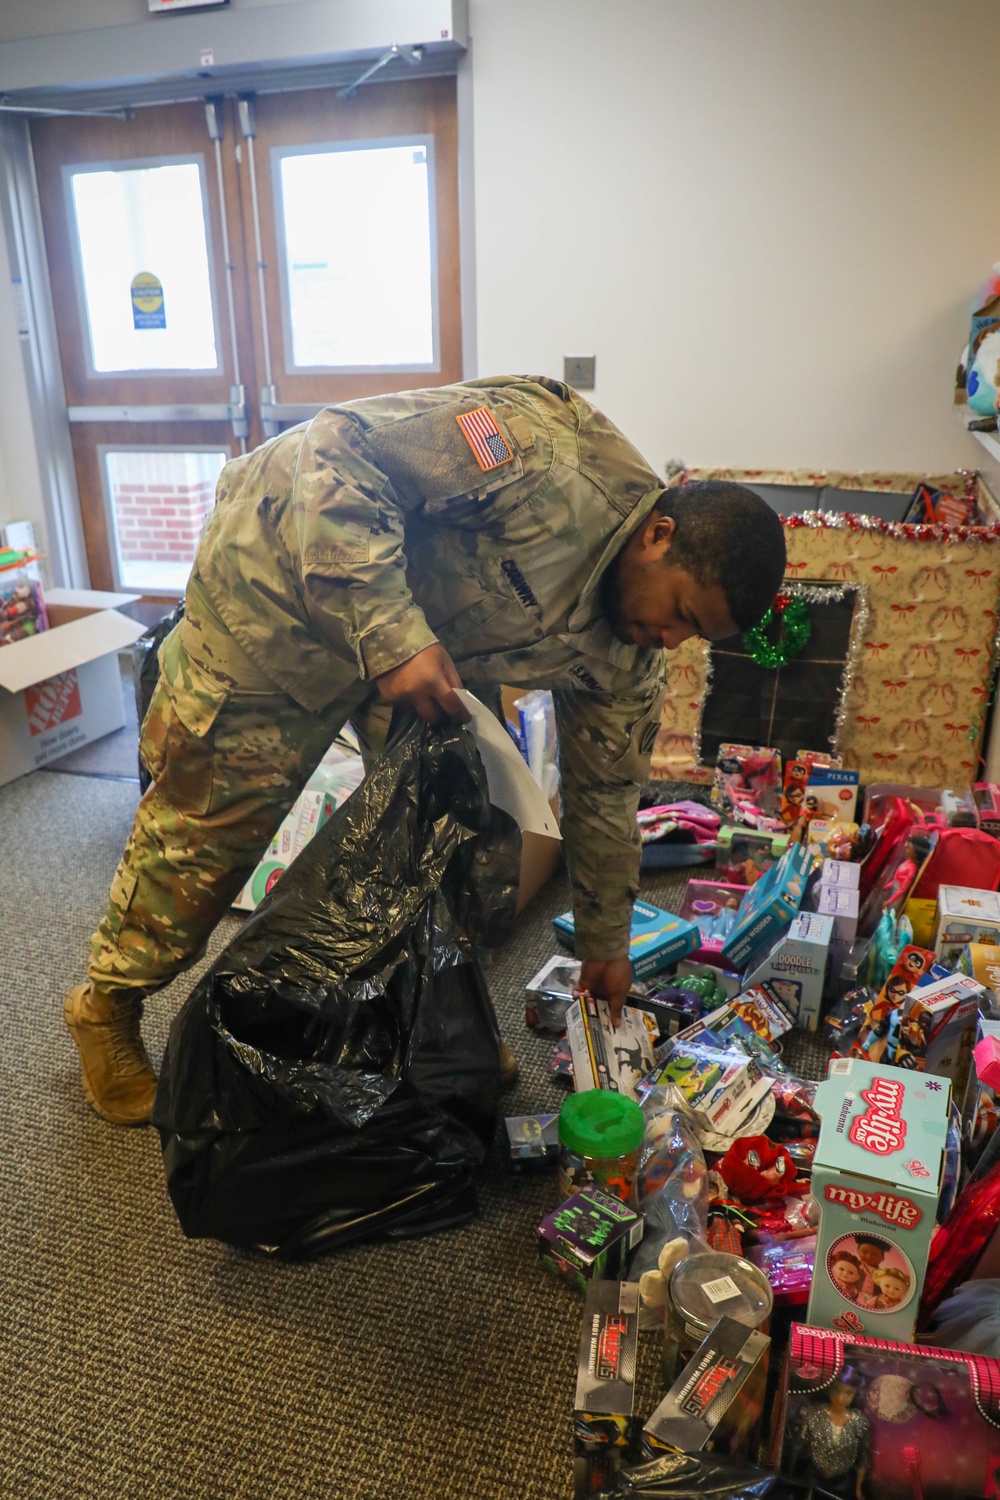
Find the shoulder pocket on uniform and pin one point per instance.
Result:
(459, 451)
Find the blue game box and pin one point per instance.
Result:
(768, 907)
(658, 937)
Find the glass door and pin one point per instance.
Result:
(221, 271)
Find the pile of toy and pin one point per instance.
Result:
(22, 604)
(815, 1258)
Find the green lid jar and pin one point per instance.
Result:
(600, 1136)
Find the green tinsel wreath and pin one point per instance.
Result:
(792, 639)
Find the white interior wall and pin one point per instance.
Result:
(764, 217)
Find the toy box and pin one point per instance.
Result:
(717, 1399)
(658, 937)
(531, 1142)
(722, 1088)
(876, 1178)
(756, 1014)
(712, 906)
(589, 1237)
(549, 993)
(987, 799)
(831, 793)
(965, 916)
(767, 907)
(937, 1027)
(842, 872)
(981, 961)
(980, 1108)
(747, 785)
(927, 1424)
(842, 904)
(603, 1421)
(606, 1056)
(795, 968)
(743, 855)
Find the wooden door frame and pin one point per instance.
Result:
(52, 450)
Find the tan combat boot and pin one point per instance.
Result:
(118, 1077)
(508, 1067)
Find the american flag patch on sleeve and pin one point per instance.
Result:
(484, 438)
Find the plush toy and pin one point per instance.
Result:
(653, 1284)
(757, 1167)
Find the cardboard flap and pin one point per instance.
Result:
(54, 651)
(89, 598)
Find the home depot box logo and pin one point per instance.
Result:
(50, 703)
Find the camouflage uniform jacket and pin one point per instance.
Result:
(343, 546)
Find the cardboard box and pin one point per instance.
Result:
(796, 968)
(589, 1237)
(931, 1414)
(876, 1178)
(532, 1142)
(605, 1056)
(658, 937)
(965, 916)
(717, 1400)
(62, 688)
(603, 1411)
(743, 855)
(987, 799)
(981, 961)
(768, 907)
(721, 1088)
(842, 904)
(841, 872)
(834, 792)
(937, 1028)
(712, 906)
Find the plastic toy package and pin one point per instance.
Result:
(911, 1421)
(691, 1476)
(747, 786)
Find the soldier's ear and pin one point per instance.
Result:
(659, 534)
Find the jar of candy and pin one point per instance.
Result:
(704, 1287)
(600, 1137)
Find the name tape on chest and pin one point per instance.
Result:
(484, 437)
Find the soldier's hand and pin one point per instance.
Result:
(427, 682)
(608, 980)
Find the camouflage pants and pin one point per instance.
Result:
(229, 753)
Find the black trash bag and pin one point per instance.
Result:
(689, 1476)
(335, 1076)
(146, 670)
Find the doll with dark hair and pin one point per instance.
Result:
(836, 1436)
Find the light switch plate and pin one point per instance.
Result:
(578, 371)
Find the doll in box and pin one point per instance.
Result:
(835, 1439)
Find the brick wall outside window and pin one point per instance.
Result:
(160, 501)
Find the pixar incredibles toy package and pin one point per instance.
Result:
(603, 1422)
(887, 1421)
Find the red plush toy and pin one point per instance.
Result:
(757, 1167)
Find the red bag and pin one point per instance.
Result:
(961, 856)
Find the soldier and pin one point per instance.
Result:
(499, 531)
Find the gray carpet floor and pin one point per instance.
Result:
(137, 1364)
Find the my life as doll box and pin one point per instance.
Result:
(927, 1421)
(965, 916)
(795, 969)
(590, 1236)
(603, 1420)
(717, 1399)
(658, 937)
(768, 906)
(876, 1180)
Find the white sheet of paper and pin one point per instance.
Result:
(512, 786)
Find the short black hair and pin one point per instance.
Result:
(727, 535)
(870, 1239)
